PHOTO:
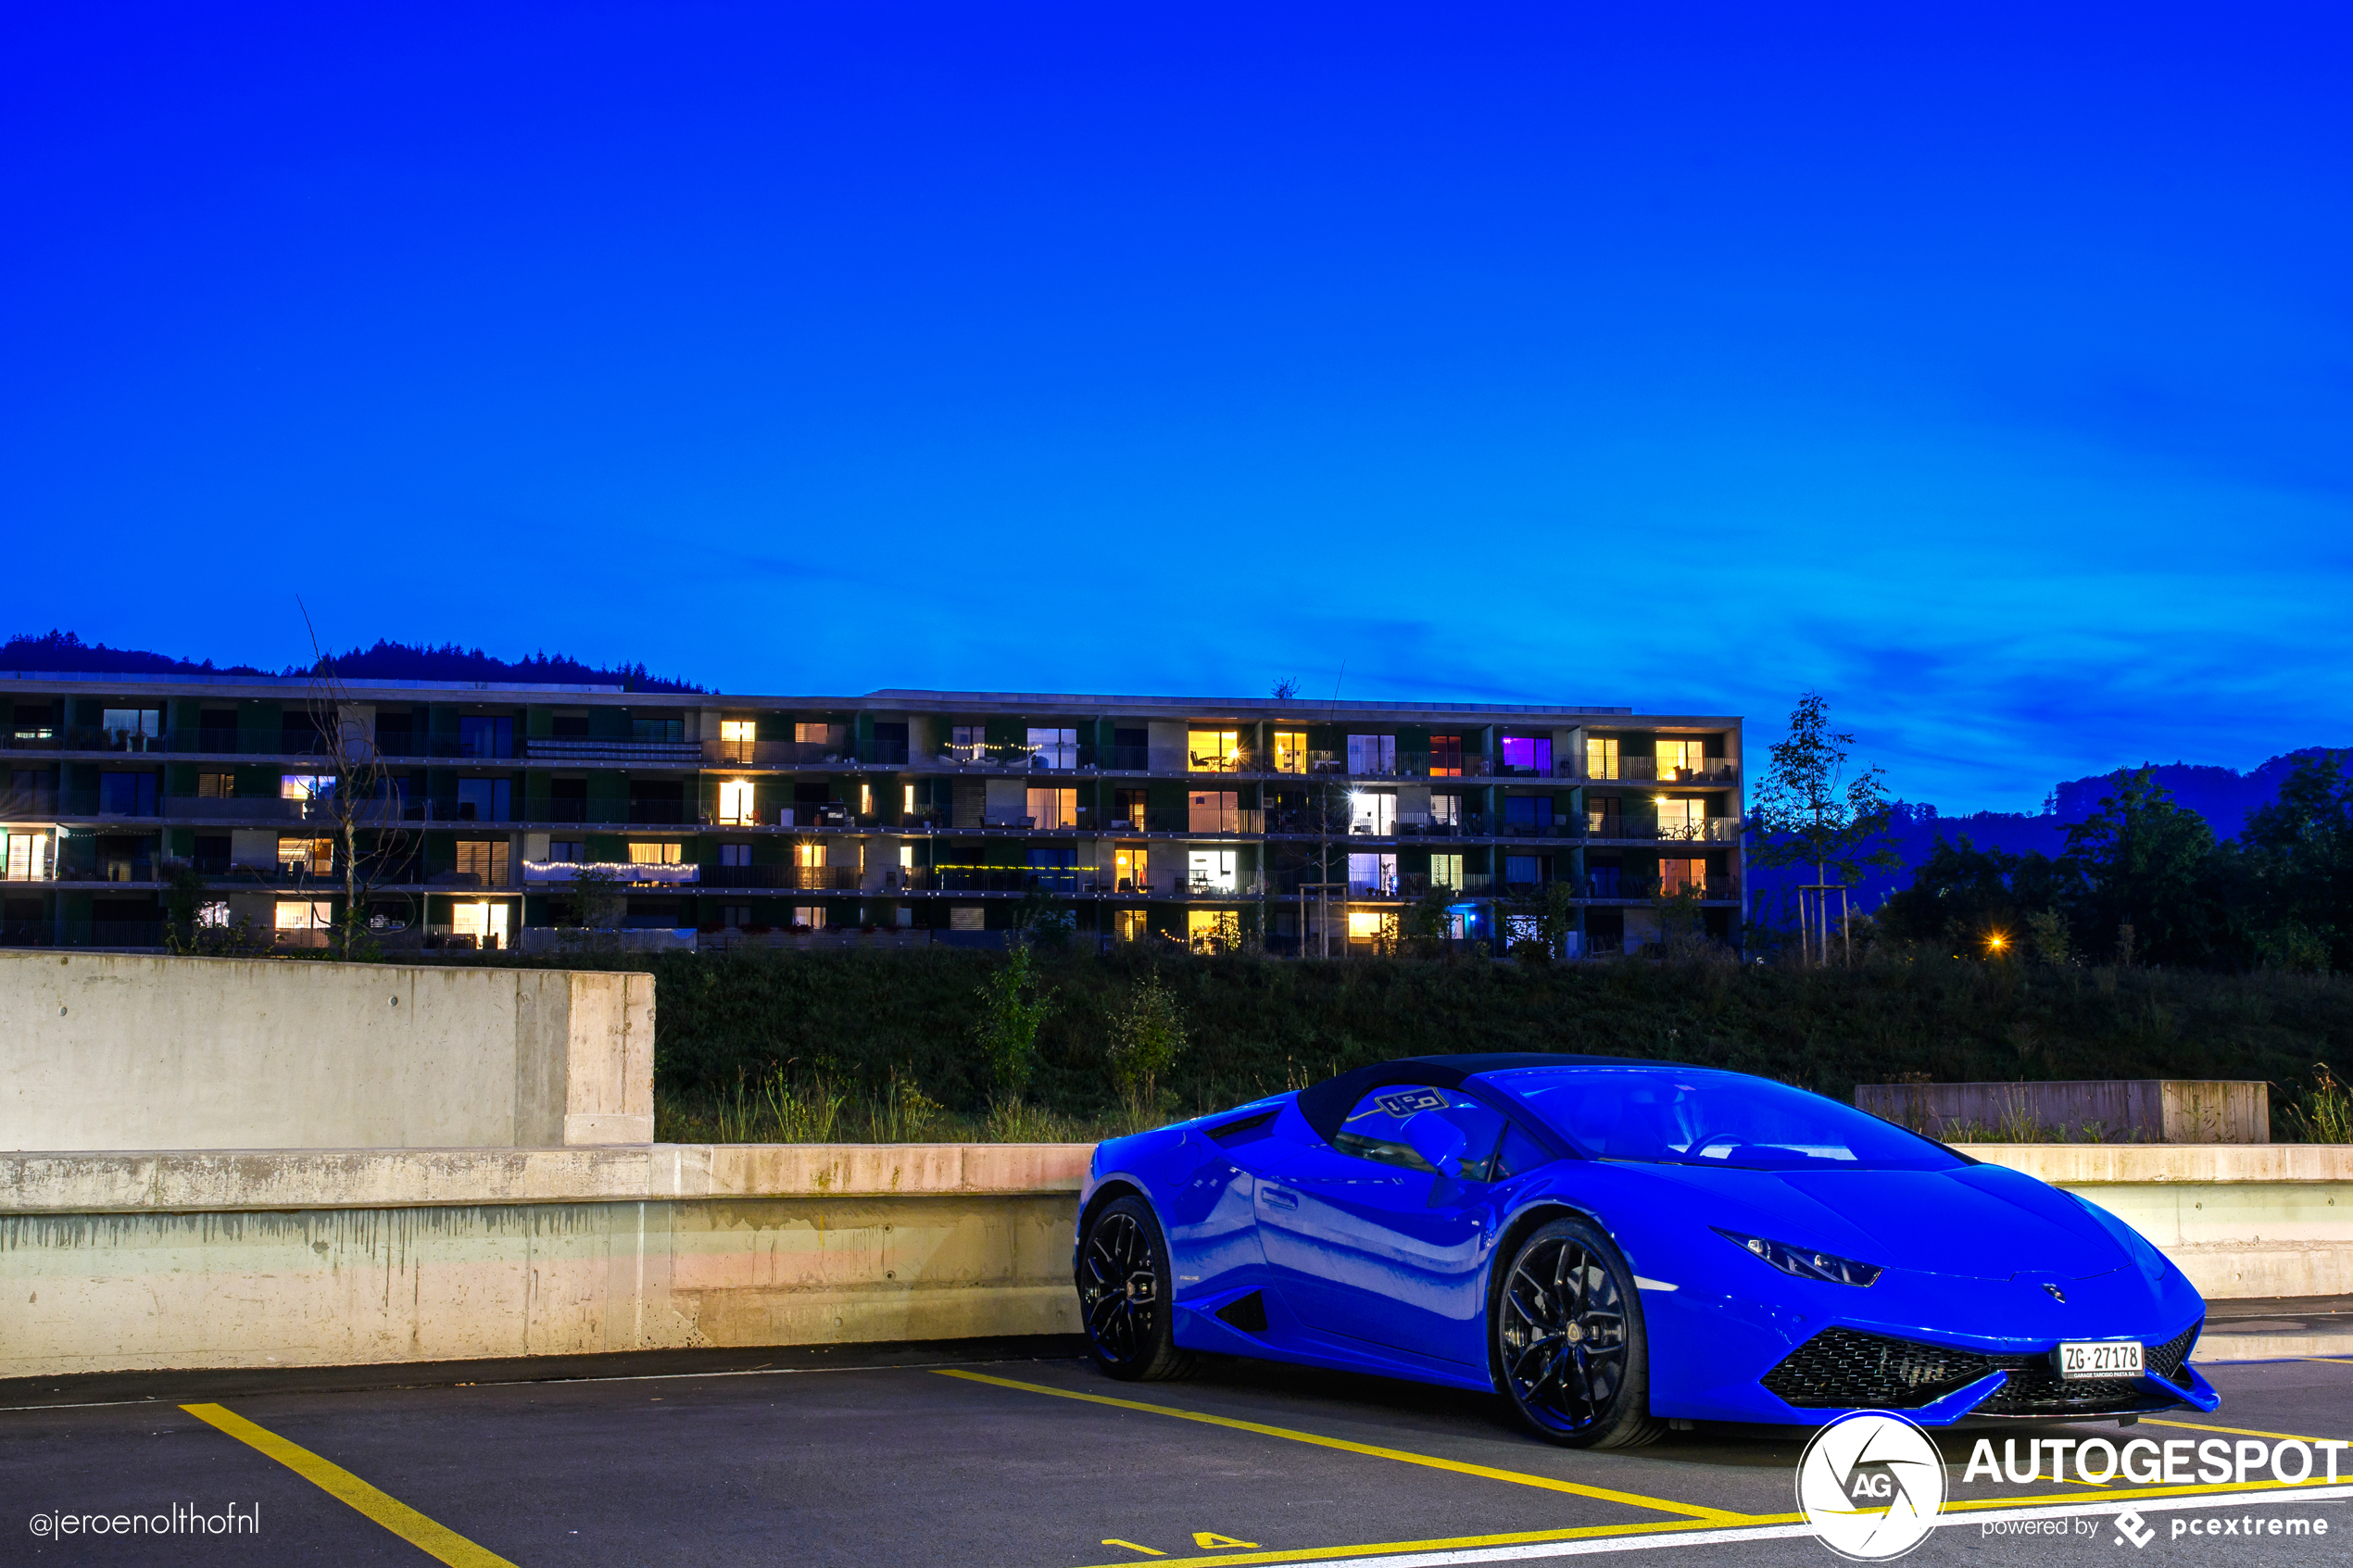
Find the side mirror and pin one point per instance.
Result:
(1437, 1140)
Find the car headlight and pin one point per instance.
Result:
(1804, 1261)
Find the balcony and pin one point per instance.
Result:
(1607, 829)
(572, 751)
(799, 879)
(623, 874)
(1711, 889)
(1645, 770)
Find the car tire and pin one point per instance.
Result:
(1566, 1335)
(1124, 1287)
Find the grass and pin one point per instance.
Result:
(879, 1046)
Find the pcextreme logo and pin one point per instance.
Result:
(1871, 1485)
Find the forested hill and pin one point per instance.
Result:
(2222, 796)
(63, 652)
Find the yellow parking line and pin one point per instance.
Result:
(1454, 1543)
(435, 1540)
(1606, 1494)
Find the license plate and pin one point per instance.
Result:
(2100, 1357)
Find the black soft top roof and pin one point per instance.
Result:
(1327, 1105)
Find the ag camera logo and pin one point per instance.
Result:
(1870, 1485)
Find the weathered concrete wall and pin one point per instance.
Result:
(2251, 1221)
(2172, 1111)
(102, 1051)
(221, 1259)
(135, 1262)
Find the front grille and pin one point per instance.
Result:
(1846, 1369)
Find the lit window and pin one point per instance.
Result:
(1372, 876)
(1133, 868)
(214, 915)
(809, 855)
(1210, 871)
(1212, 931)
(1601, 757)
(311, 914)
(1679, 759)
(907, 799)
(305, 786)
(1528, 754)
(735, 809)
(1682, 875)
(1053, 807)
(1372, 756)
(741, 729)
(865, 800)
(1446, 871)
(1127, 925)
(1290, 751)
(565, 852)
(216, 786)
(1371, 925)
(1213, 751)
(811, 916)
(666, 852)
(1446, 756)
(484, 859)
(313, 857)
(1053, 748)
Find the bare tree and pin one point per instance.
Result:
(1810, 813)
(357, 800)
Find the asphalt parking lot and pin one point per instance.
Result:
(1015, 1453)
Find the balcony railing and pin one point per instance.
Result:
(626, 873)
(1646, 769)
(1714, 888)
(1645, 830)
(580, 751)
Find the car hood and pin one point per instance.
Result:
(1978, 1222)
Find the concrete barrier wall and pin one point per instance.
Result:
(133, 1262)
(2245, 1220)
(226, 1259)
(104, 1051)
(2121, 1110)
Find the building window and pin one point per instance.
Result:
(1522, 871)
(1127, 806)
(968, 917)
(831, 736)
(485, 859)
(1446, 871)
(307, 857)
(735, 809)
(1446, 810)
(1213, 751)
(1127, 925)
(1213, 811)
(1528, 755)
(735, 854)
(1373, 811)
(1212, 931)
(1446, 756)
(486, 800)
(658, 731)
(907, 800)
(734, 916)
(131, 728)
(482, 737)
(737, 739)
(1210, 871)
(968, 743)
(1682, 818)
(1053, 807)
(1290, 751)
(213, 914)
(808, 917)
(1372, 756)
(1682, 876)
(310, 914)
(1601, 757)
(1528, 816)
(1133, 869)
(1680, 759)
(865, 800)
(660, 852)
(485, 919)
(216, 786)
(1054, 869)
(1053, 748)
(809, 856)
(1604, 881)
(565, 852)
(26, 855)
(126, 795)
(1372, 876)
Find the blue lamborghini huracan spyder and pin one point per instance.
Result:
(1615, 1246)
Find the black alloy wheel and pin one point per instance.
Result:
(1569, 1348)
(1123, 1294)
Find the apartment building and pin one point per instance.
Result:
(498, 810)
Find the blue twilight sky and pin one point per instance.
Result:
(1989, 367)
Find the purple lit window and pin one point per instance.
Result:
(1529, 752)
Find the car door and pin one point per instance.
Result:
(1366, 1238)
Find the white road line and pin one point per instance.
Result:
(1686, 1539)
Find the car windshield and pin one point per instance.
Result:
(1702, 1118)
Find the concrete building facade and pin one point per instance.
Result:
(501, 811)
